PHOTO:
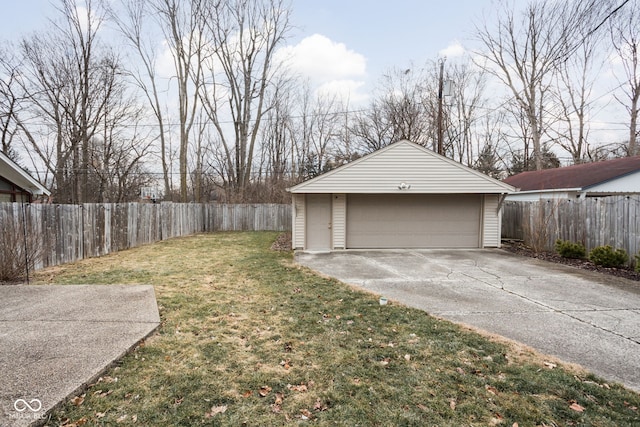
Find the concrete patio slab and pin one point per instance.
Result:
(54, 340)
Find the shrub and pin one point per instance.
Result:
(569, 249)
(606, 256)
(16, 257)
(638, 262)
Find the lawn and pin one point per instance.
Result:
(249, 338)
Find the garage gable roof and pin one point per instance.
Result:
(403, 167)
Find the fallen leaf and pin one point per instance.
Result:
(134, 418)
(306, 414)
(385, 361)
(99, 415)
(279, 398)
(491, 389)
(421, 406)
(495, 421)
(78, 400)
(264, 390)
(276, 409)
(407, 357)
(299, 388)
(514, 425)
(319, 406)
(122, 418)
(460, 371)
(215, 410)
(550, 365)
(178, 400)
(247, 393)
(576, 407)
(452, 405)
(285, 364)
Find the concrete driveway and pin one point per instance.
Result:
(578, 316)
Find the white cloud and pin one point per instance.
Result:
(330, 67)
(455, 49)
(321, 59)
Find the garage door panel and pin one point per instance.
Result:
(413, 221)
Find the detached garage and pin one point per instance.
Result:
(402, 196)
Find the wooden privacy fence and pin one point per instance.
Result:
(67, 233)
(593, 222)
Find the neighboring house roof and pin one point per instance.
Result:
(403, 167)
(577, 177)
(13, 173)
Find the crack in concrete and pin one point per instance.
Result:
(553, 309)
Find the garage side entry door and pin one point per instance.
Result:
(318, 228)
(413, 221)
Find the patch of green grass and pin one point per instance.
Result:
(249, 338)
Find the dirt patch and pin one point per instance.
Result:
(522, 249)
(282, 243)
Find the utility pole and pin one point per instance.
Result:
(440, 96)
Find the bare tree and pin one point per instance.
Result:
(183, 25)
(574, 81)
(402, 110)
(625, 34)
(466, 101)
(241, 69)
(65, 74)
(119, 151)
(130, 19)
(77, 117)
(11, 98)
(524, 49)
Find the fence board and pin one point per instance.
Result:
(592, 222)
(67, 233)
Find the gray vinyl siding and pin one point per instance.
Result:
(298, 223)
(491, 228)
(339, 221)
(383, 171)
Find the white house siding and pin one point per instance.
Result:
(298, 223)
(534, 196)
(491, 221)
(339, 220)
(625, 184)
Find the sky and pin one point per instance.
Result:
(347, 45)
(336, 42)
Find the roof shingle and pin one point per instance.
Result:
(577, 176)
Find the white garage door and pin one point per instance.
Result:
(413, 221)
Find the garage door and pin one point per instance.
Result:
(413, 221)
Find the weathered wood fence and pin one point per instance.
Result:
(593, 222)
(67, 233)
